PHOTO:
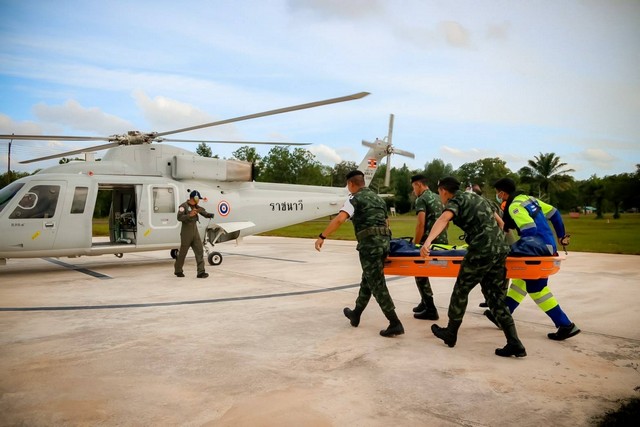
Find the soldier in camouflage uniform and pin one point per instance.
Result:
(369, 215)
(428, 209)
(484, 262)
(189, 234)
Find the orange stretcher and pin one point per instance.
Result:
(448, 266)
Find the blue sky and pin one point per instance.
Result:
(465, 79)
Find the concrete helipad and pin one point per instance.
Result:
(263, 342)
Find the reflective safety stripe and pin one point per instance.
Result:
(550, 213)
(518, 290)
(529, 225)
(544, 299)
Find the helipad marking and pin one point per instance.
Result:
(78, 269)
(192, 302)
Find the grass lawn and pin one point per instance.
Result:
(608, 235)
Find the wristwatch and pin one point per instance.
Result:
(322, 236)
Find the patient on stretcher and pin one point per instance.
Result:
(444, 261)
(531, 246)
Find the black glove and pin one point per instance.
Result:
(210, 216)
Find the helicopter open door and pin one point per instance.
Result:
(122, 217)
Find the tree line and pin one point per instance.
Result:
(545, 177)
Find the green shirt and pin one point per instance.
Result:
(431, 205)
(475, 216)
(369, 210)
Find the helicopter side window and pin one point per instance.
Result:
(79, 200)
(163, 200)
(7, 193)
(39, 202)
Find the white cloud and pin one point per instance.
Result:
(165, 114)
(337, 9)
(9, 126)
(455, 34)
(598, 158)
(88, 119)
(498, 31)
(464, 156)
(325, 155)
(511, 69)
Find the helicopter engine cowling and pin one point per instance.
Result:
(198, 167)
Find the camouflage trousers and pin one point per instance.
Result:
(423, 283)
(490, 272)
(424, 287)
(373, 282)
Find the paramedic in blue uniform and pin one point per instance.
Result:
(528, 216)
(189, 235)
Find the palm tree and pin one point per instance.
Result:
(548, 172)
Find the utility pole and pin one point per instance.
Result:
(9, 163)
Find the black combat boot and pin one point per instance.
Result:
(353, 315)
(395, 327)
(430, 312)
(449, 334)
(514, 347)
(420, 307)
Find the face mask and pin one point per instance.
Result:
(498, 199)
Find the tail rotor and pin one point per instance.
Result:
(383, 147)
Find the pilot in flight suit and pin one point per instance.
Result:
(189, 235)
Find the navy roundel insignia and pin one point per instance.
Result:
(224, 208)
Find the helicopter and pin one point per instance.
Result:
(50, 213)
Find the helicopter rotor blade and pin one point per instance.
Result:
(232, 142)
(387, 174)
(55, 138)
(390, 133)
(404, 153)
(70, 153)
(270, 113)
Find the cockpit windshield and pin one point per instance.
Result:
(7, 193)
